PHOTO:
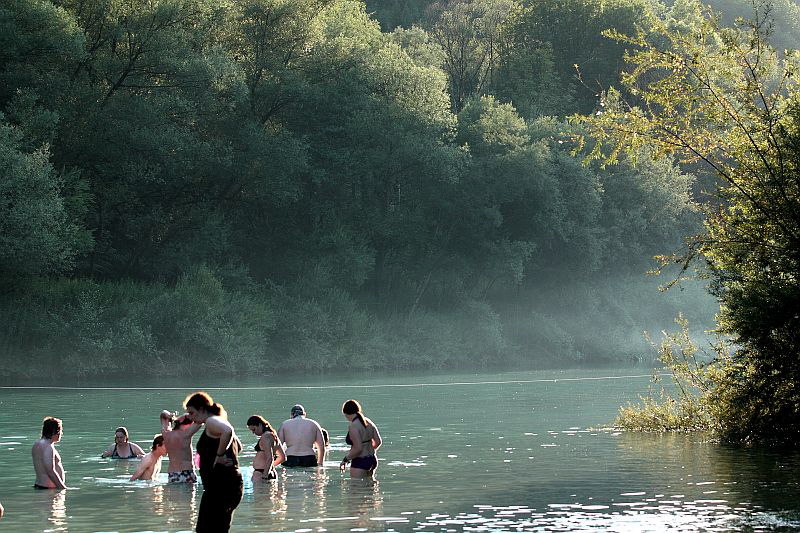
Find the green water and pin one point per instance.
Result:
(502, 452)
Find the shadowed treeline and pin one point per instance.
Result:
(281, 185)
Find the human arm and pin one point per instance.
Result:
(376, 438)
(54, 471)
(219, 428)
(143, 467)
(109, 452)
(136, 449)
(166, 421)
(355, 448)
(320, 442)
(279, 456)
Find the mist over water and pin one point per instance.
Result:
(476, 452)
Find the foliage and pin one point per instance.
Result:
(692, 380)
(268, 181)
(725, 98)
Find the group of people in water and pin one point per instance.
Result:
(299, 442)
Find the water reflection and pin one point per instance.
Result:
(363, 500)
(58, 511)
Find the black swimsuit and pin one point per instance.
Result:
(272, 474)
(115, 455)
(222, 485)
(365, 462)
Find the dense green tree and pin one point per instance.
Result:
(724, 97)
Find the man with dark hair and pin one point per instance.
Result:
(301, 435)
(46, 459)
(150, 466)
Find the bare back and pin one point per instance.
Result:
(179, 448)
(300, 434)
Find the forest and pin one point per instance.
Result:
(267, 186)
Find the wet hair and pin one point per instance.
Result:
(50, 426)
(123, 430)
(258, 420)
(325, 436)
(158, 440)
(203, 402)
(178, 422)
(352, 407)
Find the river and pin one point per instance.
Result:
(474, 452)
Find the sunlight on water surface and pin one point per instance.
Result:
(516, 452)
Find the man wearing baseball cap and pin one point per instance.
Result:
(301, 435)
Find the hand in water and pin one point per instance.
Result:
(343, 465)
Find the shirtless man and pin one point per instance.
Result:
(178, 443)
(46, 459)
(150, 466)
(301, 436)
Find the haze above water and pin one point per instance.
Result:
(471, 452)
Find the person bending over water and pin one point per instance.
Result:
(178, 442)
(122, 449)
(364, 440)
(150, 466)
(219, 449)
(269, 451)
(46, 459)
(301, 436)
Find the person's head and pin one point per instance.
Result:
(181, 422)
(52, 428)
(352, 409)
(199, 406)
(259, 425)
(326, 437)
(121, 435)
(158, 440)
(298, 410)
(167, 416)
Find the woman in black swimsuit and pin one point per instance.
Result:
(364, 440)
(122, 449)
(218, 448)
(269, 451)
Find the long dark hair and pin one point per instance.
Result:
(352, 407)
(202, 401)
(258, 420)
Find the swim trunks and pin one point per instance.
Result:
(369, 463)
(300, 460)
(42, 487)
(184, 476)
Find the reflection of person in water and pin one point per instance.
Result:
(46, 459)
(150, 466)
(122, 449)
